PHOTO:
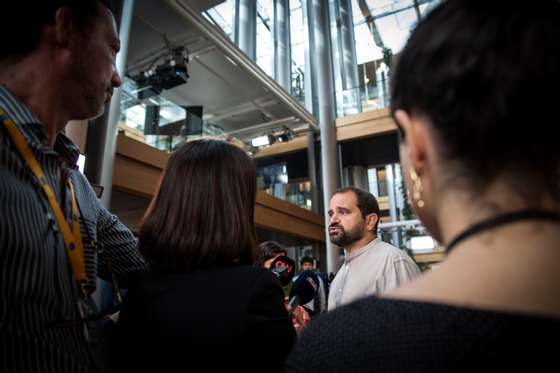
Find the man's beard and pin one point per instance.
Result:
(344, 238)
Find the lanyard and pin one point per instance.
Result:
(72, 238)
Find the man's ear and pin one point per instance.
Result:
(416, 142)
(371, 221)
(64, 27)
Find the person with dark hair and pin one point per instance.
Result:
(272, 253)
(204, 303)
(370, 266)
(270, 250)
(307, 263)
(318, 305)
(472, 99)
(57, 63)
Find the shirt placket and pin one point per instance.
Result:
(338, 296)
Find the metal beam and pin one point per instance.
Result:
(282, 48)
(370, 20)
(404, 223)
(266, 125)
(220, 39)
(239, 109)
(246, 26)
(102, 132)
(319, 31)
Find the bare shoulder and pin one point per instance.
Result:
(491, 285)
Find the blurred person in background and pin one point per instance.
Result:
(274, 256)
(270, 250)
(319, 303)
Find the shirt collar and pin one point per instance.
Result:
(356, 253)
(67, 150)
(33, 130)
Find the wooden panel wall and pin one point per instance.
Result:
(369, 123)
(138, 168)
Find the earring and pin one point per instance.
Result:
(417, 192)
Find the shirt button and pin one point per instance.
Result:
(52, 222)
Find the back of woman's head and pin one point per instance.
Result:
(202, 215)
(486, 75)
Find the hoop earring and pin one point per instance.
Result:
(417, 192)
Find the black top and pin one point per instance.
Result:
(226, 318)
(382, 335)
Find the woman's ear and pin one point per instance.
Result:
(415, 140)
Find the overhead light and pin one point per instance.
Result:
(263, 141)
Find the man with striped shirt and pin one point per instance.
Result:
(55, 236)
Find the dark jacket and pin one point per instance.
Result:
(223, 318)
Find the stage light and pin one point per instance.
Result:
(263, 141)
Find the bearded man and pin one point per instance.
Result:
(371, 266)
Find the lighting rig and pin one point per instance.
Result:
(268, 139)
(168, 74)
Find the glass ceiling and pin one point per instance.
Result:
(394, 20)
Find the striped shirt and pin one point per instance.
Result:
(37, 288)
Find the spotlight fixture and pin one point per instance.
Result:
(168, 74)
(263, 141)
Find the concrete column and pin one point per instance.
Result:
(309, 54)
(390, 175)
(346, 177)
(359, 177)
(399, 191)
(102, 132)
(246, 27)
(349, 64)
(322, 69)
(311, 156)
(373, 186)
(282, 47)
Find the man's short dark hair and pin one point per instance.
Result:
(306, 259)
(367, 203)
(270, 249)
(482, 72)
(24, 22)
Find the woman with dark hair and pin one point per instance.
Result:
(480, 155)
(204, 303)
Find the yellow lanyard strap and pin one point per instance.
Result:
(72, 239)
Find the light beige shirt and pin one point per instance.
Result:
(373, 269)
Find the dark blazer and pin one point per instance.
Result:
(222, 318)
